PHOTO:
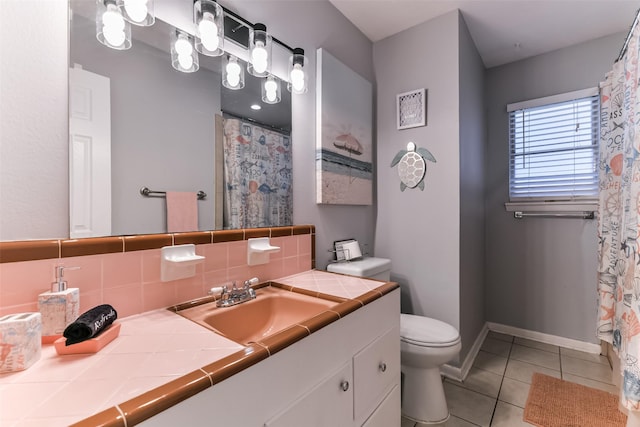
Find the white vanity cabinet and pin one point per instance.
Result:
(346, 374)
(354, 393)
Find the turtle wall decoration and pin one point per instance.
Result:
(412, 166)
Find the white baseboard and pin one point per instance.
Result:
(545, 338)
(460, 373)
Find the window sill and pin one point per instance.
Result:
(566, 206)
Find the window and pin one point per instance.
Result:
(553, 148)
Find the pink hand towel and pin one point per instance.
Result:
(182, 211)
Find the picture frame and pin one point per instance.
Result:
(411, 108)
(344, 134)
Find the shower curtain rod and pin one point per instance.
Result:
(628, 38)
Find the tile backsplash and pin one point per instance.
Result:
(125, 271)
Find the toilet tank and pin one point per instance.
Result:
(374, 268)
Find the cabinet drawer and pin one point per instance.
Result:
(376, 368)
(328, 404)
(388, 413)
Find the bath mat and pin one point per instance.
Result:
(557, 403)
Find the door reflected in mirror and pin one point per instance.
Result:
(162, 133)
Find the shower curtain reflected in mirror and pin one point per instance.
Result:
(619, 219)
(257, 176)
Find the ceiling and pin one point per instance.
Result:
(503, 30)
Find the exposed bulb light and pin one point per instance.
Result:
(183, 47)
(256, 107)
(297, 77)
(232, 73)
(271, 90)
(183, 56)
(209, 32)
(208, 17)
(136, 9)
(185, 61)
(138, 12)
(259, 58)
(111, 28)
(260, 51)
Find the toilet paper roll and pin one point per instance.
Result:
(351, 250)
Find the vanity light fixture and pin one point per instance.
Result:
(259, 50)
(208, 17)
(183, 56)
(232, 73)
(297, 77)
(138, 12)
(111, 28)
(271, 90)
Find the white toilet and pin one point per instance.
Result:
(425, 345)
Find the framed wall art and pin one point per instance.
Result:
(344, 122)
(412, 109)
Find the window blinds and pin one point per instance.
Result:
(553, 150)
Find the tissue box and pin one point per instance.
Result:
(20, 345)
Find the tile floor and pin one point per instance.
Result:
(496, 389)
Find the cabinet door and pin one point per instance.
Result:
(388, 413)
(328, 404)
(376, 368)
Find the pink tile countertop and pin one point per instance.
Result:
(152, 349)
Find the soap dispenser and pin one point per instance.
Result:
(59, 307)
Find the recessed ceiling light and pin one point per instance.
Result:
(255, 107)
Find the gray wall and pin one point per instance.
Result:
(155, 141)
(541, 273)
(311, 25)
(420, 230)
(472, 220)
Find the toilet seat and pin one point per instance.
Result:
(427, 332)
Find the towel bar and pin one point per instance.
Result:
(581, 215)
(152, 193)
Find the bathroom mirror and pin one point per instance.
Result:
(163, 129)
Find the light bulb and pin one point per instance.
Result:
(271, 95)
(185, 61)
(113, 26)
(114, 37)
(208, 32)
(233, 79)
(112, 19)
(183, 47)
(259, 58)
(136, 9)
(270, 85)
(271, 90)
(233, 73)
(297, 78)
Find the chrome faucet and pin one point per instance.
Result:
(235, 295)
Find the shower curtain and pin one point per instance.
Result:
(619, 219)
(257, 176)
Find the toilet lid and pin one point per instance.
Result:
(424, 331)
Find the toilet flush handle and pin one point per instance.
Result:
(382, 366)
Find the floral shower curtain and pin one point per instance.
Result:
(257, 176)
(619, 219)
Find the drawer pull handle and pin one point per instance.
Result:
(344, 385)
(383, 367)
